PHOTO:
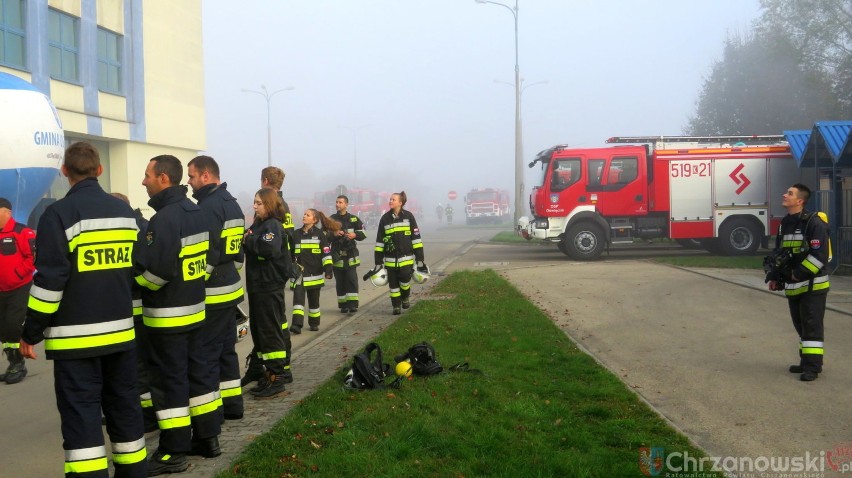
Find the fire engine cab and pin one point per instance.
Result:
(723, 193)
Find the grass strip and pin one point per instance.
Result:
(541, 407)
(719, 262)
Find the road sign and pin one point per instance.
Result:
(452, 195)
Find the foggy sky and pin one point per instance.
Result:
(418, 78)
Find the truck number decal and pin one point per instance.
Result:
(686, 170)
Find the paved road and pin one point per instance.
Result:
(30, 438)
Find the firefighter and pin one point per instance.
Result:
(17, 242)
(143, 380)
(224, 284)
(344, 253)
(805, 282)
(267, 265)
(448, 211)
(272, 178)
(173, 312)
(81, 306)
(398, 247)
(312, 254)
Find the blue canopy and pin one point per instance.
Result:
(826, 144)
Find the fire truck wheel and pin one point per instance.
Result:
(583, 242)
(739, 236)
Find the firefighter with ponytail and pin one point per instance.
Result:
(312, 253)
(398, 249)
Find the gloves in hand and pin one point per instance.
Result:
(375, 270)
(421, 267)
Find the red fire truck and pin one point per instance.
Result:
(723, 193)
(486, 205)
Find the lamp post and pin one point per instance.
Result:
(523, 88)
(268, 97)
(519, 148)
(354, 132)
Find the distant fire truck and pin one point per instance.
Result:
(486, 205)
(723, 193)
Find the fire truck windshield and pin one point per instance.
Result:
(476, 196)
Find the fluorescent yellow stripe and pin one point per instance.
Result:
(42, 306)
(86, 466)
(233, 231)
(205, 408)
(94, 237)
(218, 299)
(173, 321)
(232, 392)
(281, 354)
(129, 458)
(811, 351)
(89, 342)
(193, 249)
(176, 422)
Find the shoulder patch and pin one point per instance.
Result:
(268, 237)
(815, 244)
(353, 219)
(149, 237)
(326, 250)
(417, 230)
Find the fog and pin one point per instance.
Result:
(417, 84)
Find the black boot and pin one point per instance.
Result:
(254, 370)
(274, 389)
(17, 367)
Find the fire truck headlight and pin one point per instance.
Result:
(541, 223)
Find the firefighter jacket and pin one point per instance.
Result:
(17, 243)
(142, 224)
(344, 251)
(175, 264)
(805, 235)
(226, 225)
(313, 255)
(289, 228)
(80, 301)
(267, 258)
(398, 242)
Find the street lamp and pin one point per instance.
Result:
(354, 132)
(519, 148)
(523, 88)
(268, 97)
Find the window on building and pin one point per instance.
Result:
(109, 61)
(12, 44)
(64, 41)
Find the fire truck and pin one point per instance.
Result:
(722, 193)
(486, 205)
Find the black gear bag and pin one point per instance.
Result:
(368, 370)
(423, 359)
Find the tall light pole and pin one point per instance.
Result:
(354, 132)
(523, 88)
(519, 147)
(268, 97)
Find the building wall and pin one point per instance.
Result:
(160, 109)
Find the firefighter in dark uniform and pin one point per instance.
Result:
(805, 280)
(272, 178)
(17, 243)
(224, 284)
(183, 385)
(80, 304)
(344, 255)
(268, 264)
(143, 380)
(398, 248)
(312, 254)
